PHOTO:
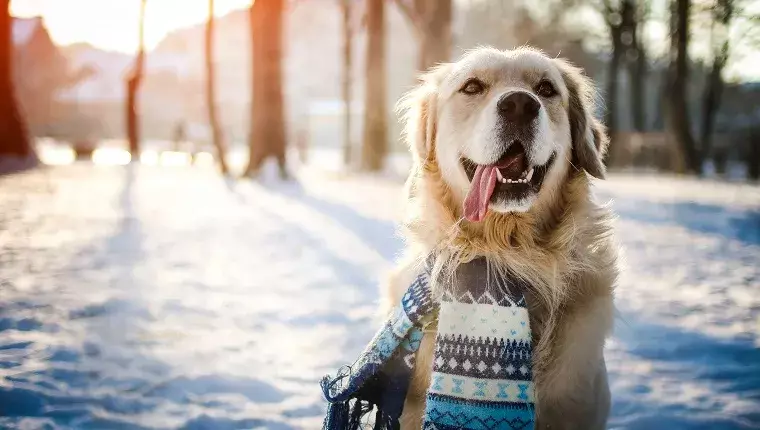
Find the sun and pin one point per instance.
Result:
(113, 24)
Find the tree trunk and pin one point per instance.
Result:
(679, 70)
(753, 157)
(213, 119)
(375, 145)
(267, 134)
(431, 22)
(435, 38)
(637, 70)
(661, 107)
(611, 93)
(14, 137)
(347, 66)
(711, 103)
(638, 91)
(723, 12)
(133, 87)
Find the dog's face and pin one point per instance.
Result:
(505, 126)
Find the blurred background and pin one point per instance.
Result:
(198, 199)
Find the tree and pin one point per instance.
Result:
(375, 144)
(722, 12)
(637, 65)
(431, 21)
(267, 134)
(753, 155)
(14, 137)
(346, 8)
(213, 119)
(678, 113)
(134, 79)
(624, 22)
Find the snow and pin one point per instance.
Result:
(167, 297)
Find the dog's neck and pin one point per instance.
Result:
(438, 222)
(544, 249)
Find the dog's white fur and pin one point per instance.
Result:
(558, 239)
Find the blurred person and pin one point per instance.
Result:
(180, 136)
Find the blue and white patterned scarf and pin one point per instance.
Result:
(481, 377)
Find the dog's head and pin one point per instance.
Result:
(503, 129)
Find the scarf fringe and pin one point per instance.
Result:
(348, 416)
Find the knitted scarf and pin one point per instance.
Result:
(481, 376)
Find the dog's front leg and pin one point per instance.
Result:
(571, 387)
(414, 407)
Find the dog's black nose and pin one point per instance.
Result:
(519, 108)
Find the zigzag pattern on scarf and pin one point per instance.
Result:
(450, 413)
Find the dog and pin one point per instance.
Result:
(526, 120)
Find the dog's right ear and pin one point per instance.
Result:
(419, 113)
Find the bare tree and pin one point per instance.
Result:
(213, 119)
(636, 57)
(267, 134)
(134, 79)
(722, 12)
(346, 8)
(614, 20)
(14, 137)
(623, 21)
(375, 144)
(431, 21)
(753, 155)
(678, 113)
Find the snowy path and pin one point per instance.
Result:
(168, 298)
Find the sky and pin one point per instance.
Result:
(113, 24)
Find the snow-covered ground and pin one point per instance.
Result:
(166, 297)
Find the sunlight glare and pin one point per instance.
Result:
(56, 156)
(111, 157)
(173, 158)
(112, 24)
(149, 157)
(204, 159)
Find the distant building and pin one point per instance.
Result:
(99, 99)
(39, 70)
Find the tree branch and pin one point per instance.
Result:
(410, 12)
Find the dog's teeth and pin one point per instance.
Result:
(499, 175)
(529, 176)
(503, 181)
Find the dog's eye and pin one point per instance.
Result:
(546, 89)
(472, 87)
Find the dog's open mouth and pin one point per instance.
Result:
(511, 177)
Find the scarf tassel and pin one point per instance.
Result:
(349, 415)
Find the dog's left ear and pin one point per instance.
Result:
(588, 135)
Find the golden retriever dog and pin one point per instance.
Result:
(503, 144)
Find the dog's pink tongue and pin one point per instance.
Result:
(481, 188)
